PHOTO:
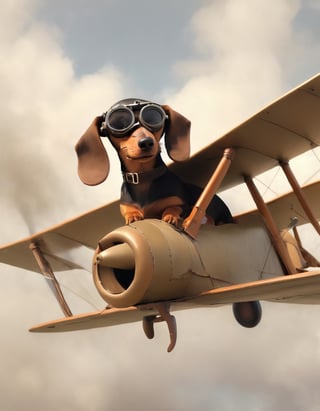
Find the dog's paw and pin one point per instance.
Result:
(131, 213)
(171, 219)
(172, 215)
(132, 217)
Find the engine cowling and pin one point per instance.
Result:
(144, 262)
(150, 261)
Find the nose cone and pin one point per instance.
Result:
(119, 256)
(146, 143)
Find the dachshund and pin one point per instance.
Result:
(149, 190)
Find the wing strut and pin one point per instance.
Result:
(299, 194)
(192, 223)
(271, 226)
(47, 272)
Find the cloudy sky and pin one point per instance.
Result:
(215, 61)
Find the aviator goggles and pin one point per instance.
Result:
(123, 118)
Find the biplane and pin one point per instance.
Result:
(148, 269)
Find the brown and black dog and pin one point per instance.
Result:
(149, 190)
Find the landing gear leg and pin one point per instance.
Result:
(164, 315)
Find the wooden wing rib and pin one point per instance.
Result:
(281, 131)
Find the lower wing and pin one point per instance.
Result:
(296, 288)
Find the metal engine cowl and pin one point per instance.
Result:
(145, 261)
(151, 261)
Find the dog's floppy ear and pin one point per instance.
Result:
(93, 161)
(177, 137)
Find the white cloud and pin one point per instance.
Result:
(44, 110)
(241, 46)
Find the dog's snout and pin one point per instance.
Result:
(146, 143)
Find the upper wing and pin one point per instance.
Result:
(295, 288)
(281, 131)
(59, 242)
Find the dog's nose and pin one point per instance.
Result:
(146, 143)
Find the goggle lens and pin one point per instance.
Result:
(121, 120)
(152, 116)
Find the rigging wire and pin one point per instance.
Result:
(268, 186)
(77, 294)
(313, 151)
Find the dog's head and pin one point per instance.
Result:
(147, 122)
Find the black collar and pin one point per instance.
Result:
(136, 178)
